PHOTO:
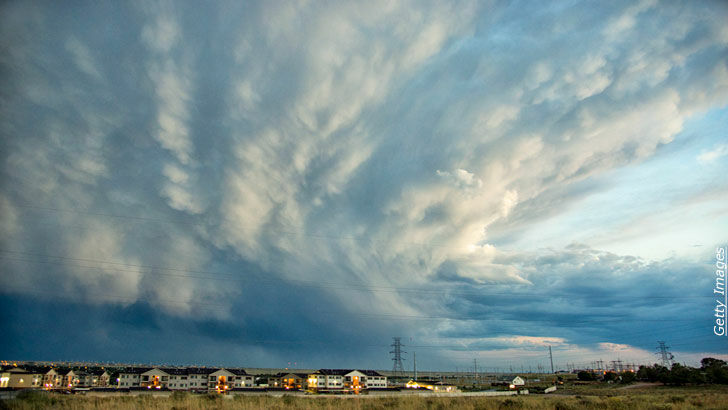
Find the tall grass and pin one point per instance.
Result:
(667, 399)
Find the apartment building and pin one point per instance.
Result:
(193, 379)
(346, 379)
(17, 378)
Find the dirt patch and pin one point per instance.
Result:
(640, 386)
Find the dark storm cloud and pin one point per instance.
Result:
(248, 173)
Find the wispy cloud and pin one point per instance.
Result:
(717, 152)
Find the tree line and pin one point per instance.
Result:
(711, 371)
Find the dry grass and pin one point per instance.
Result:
(641, 399)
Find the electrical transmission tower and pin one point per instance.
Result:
(398, 368)
(666, 358)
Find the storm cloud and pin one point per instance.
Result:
(252, 175)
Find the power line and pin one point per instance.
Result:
(288, 231)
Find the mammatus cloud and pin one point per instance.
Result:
(376, 146)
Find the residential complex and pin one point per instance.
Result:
(194, 379)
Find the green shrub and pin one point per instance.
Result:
(586, 376)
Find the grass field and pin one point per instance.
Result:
(582, 397)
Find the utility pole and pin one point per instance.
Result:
(551, 357)
(414, 360)
(475, 370)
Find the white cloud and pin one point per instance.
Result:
(175, 174)
(534, 340)
(711, 156)
(173, 92)
(116, 282)
(181, 199)
(461, 178)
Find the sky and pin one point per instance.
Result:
(292, 184)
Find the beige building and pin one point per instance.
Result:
(99, 377)
(53, 379)
(131, 377)
(17, 378)
(346, 379)
(192, 378)
(154, 379)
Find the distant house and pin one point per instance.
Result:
(241, 379)
(69, 378)
(289, 381)
(271, 380)
(155, 378)
(99, 377)
(53, 378)
(346, 379)
(178, 379)
(374, 379)
(197, 378)
(517, 382)
(17, 378)
(131, 377)
(200, 379)
(220, 380)
(327, 379)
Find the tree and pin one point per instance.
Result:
(643, 373)
(585, 376)
(679, 375)
(709, 362)
(609, 376)
(716, 370)
(627, 377)
(655, 373)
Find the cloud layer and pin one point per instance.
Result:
(268, 169)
